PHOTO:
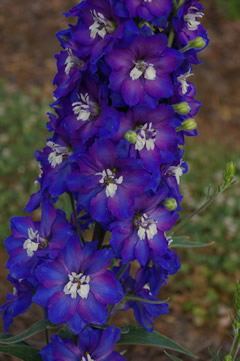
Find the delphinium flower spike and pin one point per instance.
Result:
(123, 105)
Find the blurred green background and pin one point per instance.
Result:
(204, 287)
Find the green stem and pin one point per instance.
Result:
(122, 270)
(200, 209)
(76, 220)
(98, 234)
(135, 298)
(46, 336)
(46, 330)
(235, 345)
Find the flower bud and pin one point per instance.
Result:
(181, 108)
(131, 136)
(170, 204)
(228, 358)
(228, 177)
(188, 124)
(236, 326)
(198, 43)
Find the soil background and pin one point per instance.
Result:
(28, 45)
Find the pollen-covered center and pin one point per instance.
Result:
(101, 26)
(191, 17)
(146, 137)
(34, 242)
(78, 284)
(72, 61)
(177, 171)
(182, 79)
(146, 227)
(143, 68)
(85, 109)
(110, 181)
(58, 154)
(87, 358)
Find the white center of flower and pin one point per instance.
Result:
(31, 244)
(85, 108)
(87, 358)
(147, 288)
(101, 25)
(147, 1)
(78, 285)
(143, 68)
(177, 171)
(146, 227)
(58, 154)
(72, 61)
(146, 137)
(110, 182)
(182, 80)
(191, 17)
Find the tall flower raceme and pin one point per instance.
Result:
(123, 106)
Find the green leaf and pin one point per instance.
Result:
(174, 358)
(134, 335)
(24, 353)
(180, 242)
(35, 328)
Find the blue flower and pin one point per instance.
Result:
(76, 287)
(93, 345)
(18, 302)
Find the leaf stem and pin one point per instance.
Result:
(135, 298)
(201, 208)
(76, 220)
(122, 270)
(235, 345)
(98, 234)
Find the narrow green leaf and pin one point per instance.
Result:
(35, 328)
(134, 335)
(140, 299)
(180, 242)
(174, 358)
(24, 353)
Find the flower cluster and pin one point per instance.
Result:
(123, 105)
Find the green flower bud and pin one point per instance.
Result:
(228, 358)
(228, 177)
(181, 108)
(197, 43)
(188, 124)
(170, 204)
(236, 326)
(131, 136)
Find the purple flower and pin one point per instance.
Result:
(70, 68)
(99, 29)
(107, 185)
(156, 139)
(188, 27)
(144, 312)
(31, 241)
(93, 345)
(88, 115)
(157, 11)
(141, 72)
(142, 236)
(76, 287)
(18, 302)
